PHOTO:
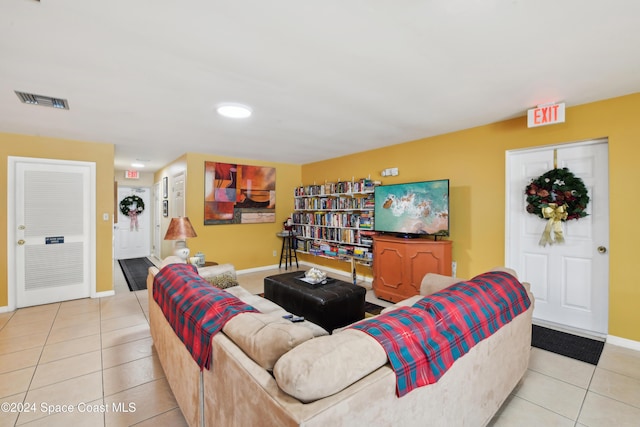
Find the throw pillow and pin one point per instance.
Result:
(323, 366)
(222, 281)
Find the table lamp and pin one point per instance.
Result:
(179, 230)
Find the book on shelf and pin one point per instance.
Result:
(366, 222)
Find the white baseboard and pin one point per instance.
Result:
(256, 269)
(623, 342)
(103, 294)
(6, 309)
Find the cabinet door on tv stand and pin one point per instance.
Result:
(400, 265)
(389, 281)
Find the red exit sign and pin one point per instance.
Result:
(132, 174)
(545, 115)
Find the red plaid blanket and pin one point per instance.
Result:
(424, 340)
(194, 309)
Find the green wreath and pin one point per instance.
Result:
(130, 200)
(557, 188)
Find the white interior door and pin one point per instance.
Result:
(53, 230)
(570, 280)
(157, 224)
(133, 240)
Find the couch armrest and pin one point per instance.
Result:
(404, 303)
(432, 283)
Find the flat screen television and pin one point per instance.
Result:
(413, 209)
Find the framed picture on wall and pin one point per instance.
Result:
(239, 194)
(165, 187)
(165, 208)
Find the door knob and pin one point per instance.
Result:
(21, 242)
(602, 249)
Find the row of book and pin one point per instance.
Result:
(331, 203)
(363, 185)
(337, 235)
(334, 219)
(334, 250)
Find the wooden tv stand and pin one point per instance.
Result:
(399, 264)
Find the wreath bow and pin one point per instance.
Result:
(557, 196)
(133, 218)
(556, 214)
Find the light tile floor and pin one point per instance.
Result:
(92, 354)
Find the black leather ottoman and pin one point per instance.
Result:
(332, 305)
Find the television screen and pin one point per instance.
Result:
(413, 208)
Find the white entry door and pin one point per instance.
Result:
(53, 230)
(569, 280)
(133, 236)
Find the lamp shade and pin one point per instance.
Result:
(180, 229)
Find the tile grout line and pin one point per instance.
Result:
(26, 394)
(584, 399)
(104, 414)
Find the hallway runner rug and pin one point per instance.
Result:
(573, 346)
(135, 272)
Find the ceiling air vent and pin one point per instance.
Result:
(46, 101)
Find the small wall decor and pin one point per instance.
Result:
(165, 187)
(165, 208)
(239, 194)
(557, 196)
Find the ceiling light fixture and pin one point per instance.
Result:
(234, 111)
(137, 165)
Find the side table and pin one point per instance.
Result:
(288, 251)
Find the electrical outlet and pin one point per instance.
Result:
(275, 252)
(454, 267)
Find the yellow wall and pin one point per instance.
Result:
(52, 148)
(244, 245)
(474, 161)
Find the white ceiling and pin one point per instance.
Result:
(324, 78)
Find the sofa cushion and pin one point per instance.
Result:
(263, 305)
(264, 338)
(325, 365)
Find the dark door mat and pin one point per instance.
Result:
(135, 272)
(573, 346)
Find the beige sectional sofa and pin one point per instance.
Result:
(266, 371)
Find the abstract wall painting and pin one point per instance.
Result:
(239, 194)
